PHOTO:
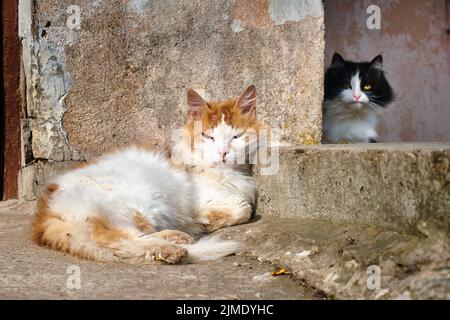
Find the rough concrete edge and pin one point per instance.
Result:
(45, 86)
(392, 146)
(328, 289)
(346, 274)
(422, 148)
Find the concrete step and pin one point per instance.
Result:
(334, 214)
(395, 186)
(343, 261)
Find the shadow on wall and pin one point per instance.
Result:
(415, 46)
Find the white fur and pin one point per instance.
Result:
(218, 184)
(134, 180)
(207, 249)
(123, 183)
(225, 139)
(349, 123)
(354, 94)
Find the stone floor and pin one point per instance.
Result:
(326, 261)
(30, 272)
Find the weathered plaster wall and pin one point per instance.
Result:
(123, 75)
(415, 46)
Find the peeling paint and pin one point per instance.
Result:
(52, 84)
(47, 85)
(282, 11)
(237, 26)
(139, 5)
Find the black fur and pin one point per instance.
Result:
(341, 71)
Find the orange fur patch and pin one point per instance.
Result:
(80, 165)
(175, 236)
(212, 116)
(106, 234)
(50, 230)
(142, 224)
(217, 220)
(43, 214)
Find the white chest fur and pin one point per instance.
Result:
(351, 124)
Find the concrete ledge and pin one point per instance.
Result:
(338, 260)
(390, 185)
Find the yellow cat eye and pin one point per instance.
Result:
(346, 85)
(367, 87)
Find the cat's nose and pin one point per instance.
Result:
(357, 97)
(223, 153)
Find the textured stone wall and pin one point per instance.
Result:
(121, 74)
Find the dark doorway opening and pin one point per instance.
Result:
(10, 105)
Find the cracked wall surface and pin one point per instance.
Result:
(47, 85)
(121, 75)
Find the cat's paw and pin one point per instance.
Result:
(167, 253)
(175, 236)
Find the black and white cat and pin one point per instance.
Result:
(355, 95)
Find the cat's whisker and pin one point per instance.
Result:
(379, 112)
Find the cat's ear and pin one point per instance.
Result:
(195, 103)
(247, 102)
(337, 61)
(377, 62)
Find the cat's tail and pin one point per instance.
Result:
(211, 248)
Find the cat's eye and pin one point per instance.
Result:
(207, 137)
(346, 85)
(367, 87)
(238, 135)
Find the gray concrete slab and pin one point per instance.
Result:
(31, 272)
(390, 185)
(326, 260)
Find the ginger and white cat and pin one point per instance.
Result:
(135, 205)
